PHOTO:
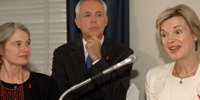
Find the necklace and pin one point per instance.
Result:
(15, 93)
(15, 86)
(185, 75)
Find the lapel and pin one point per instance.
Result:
(78, 60)
(106, 50)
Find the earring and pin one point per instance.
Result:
(196, 45)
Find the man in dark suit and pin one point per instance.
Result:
(70, 60)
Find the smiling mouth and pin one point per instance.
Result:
(24, 56)
(173, 48)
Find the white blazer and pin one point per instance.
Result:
(157, 83)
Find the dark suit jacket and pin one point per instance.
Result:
(69, 69)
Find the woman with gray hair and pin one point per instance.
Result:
(178, 29)
(17, 80)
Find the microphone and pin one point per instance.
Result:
(131, 59)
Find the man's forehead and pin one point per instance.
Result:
(91, 6)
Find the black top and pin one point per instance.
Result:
(38, 87)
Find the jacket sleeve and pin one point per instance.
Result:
(114, 85)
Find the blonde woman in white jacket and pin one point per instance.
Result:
(179, 31)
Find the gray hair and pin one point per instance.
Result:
(77, 9)
(6, 32)
(187, 13)
(8, 29)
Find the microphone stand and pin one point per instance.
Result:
(129, 60)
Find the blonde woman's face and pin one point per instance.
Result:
(177, 39)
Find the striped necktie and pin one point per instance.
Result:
(88, 62)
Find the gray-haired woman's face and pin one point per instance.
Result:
(17, 49)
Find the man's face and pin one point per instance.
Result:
(92, 19)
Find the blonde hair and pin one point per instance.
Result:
(187, 13)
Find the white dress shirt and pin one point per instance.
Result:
(86, 52)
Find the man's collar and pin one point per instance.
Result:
(84, 43)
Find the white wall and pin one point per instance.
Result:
(143, 38)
